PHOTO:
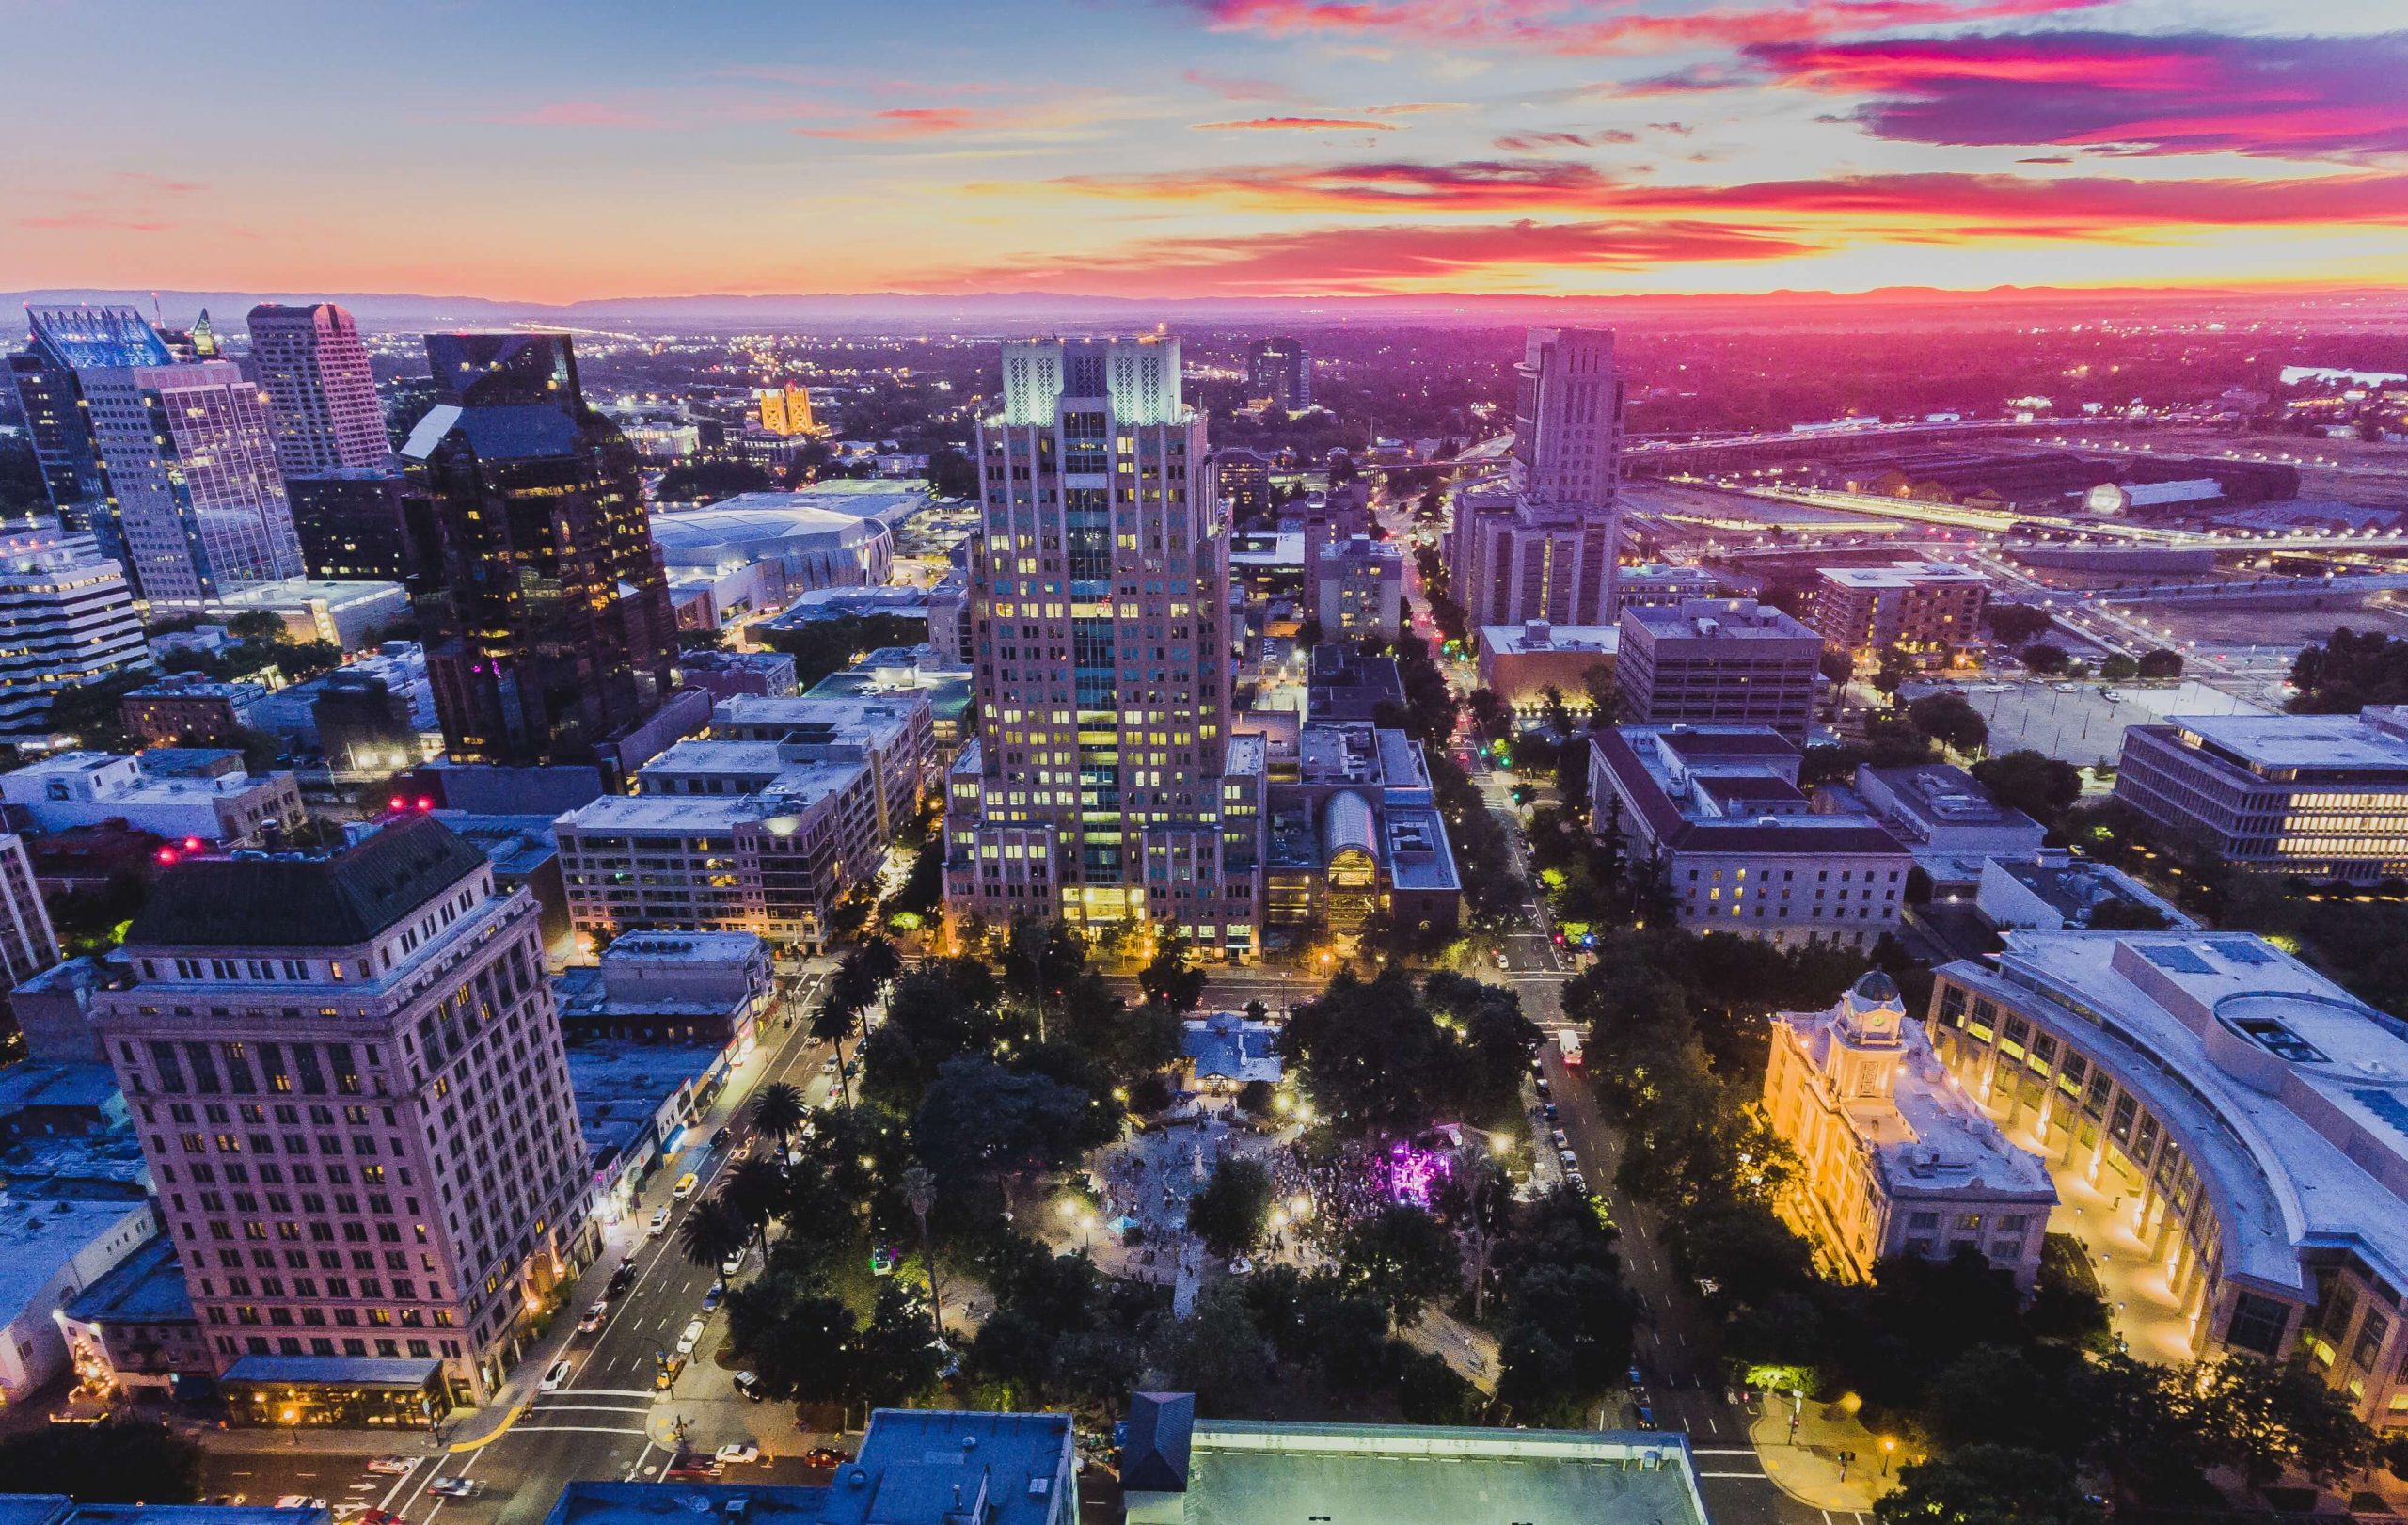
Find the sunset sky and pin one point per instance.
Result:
(1201, 148)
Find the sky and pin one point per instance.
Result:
(1150, 149)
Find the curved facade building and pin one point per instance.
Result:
(814, 546)
(2228, 1128)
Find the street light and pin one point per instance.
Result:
(1888, 1446)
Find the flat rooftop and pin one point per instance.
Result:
(1599, 640)
(1410, 1474)
(798, 787)
(1736, 619)
(1943, 795)
(39, 1235)
(147, 1287)
(2272, 743)
(2291, 1092)
(1901, 575)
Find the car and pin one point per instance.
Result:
(1500, 959)
(395, 1466)
(2065, 687)
(719, 1139)
(666, 1377)
(736, 1455)
(1577, 1181)
(691, 1470)
(1541, 1084)
(1550, 1111)
(1996, 688)
(686, 1185)
(881, 1260)
(299, 1500)
(713, 1296)
(659, 1224)
(748, 1385)
(2114, 697)
(622, 1277)
(455, 1487)
(1568, 1158)
(591, 1319)
(1645, 1414)
(557, 1375)
(1637, 1376)
(692, 1337)
(1562, 1139)
(1242, 1266)
(826, 1457)
(731, 1264)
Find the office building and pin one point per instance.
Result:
(1241, 479)
(348, 1080)
(1179, 1469)
(1545, 548)
(28, 945)
(1659, 583)
(1945, 818)
(135, 1328)
(1519, 663)
(949, 686)
(2232, 1127)
(190, 709)
(189, 499)
(2320, 796)
(1713, 815)
(724, 674)
(2054, 891)
(52, 1248)
(1356, 833)
(67, 619)
(354, 524)
(319, 389)
(1359, 589)
(170, 794)
(785, 411)
(1279, 371)
(550, 632)
(1718, 661)
(1892, 1158)
(1098, 587)
(893, 735)
(682, 988)
(1928, 610)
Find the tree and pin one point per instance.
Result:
(895, 1358)
(755, 1191)
(1232, 1210)
(980, 1121)
(951, 473)
(697, 481)
(778, 1110)
(1403, 1258)
(257, 625)
(1987, 1484)
(2016, 625)
(2264, 1421)
(1555, 710)
(2044, 659)
(1604, 695)
(2120, 915)
(1217, 1352)
(1839, 666)
(1171, 980)
(1489, 714)
(1950, 720)
(2159, 664)
(711, 1232)
(1896, 668)
(116, 1461)
(2118, 669)
(2031, 782)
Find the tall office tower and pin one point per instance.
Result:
(28, 944)
(189, 497)
(347, 1077)
(319, 389)
(66, 619)
(1281, 370)
(785, 411)
(1546, 549)
(550, 630)
(1099, 584)
(354, 524)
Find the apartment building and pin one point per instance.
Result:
(1928, 610)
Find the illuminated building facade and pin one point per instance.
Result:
(1928, 610)
(2321, 796)
(1099, 615)
(348, 1080)
(550, 630)
(1546, 549)
(786, 411)
(320, 390)
(67, 618)
(1280, 372)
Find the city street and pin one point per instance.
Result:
(607, 1420)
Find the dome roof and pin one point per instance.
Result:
(1877, 989)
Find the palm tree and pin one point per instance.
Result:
(752, 1191)
(778, 1109)
(860, 976)
(711, 1233)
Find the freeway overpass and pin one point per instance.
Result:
(1667, 458)
(2265, 592)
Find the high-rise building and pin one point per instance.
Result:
(66, 619)
(28, 945)
(549, 629)
(1927, 609)
(190, 498)
(1241, 478)
(1099, 605)
(785, 411)
(319, 389)
(1280, 372)
(347, 1077)
(1546, 550)
(1718, 661)
(354, 523)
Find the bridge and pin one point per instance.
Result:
(2263, 591)
(1656, 458)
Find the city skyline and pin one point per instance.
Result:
(1231, 148)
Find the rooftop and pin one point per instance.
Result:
(39, 1235)
(145, 1287)
(2290, 1095)
(516, 845)
(1604, 640)
(1739, 619)
(1726, 788)
(58, 1509)
(2375, 741)
(798, 787)
(1901, 575)
(365, 1371)
(344, 899)
(1939, 796)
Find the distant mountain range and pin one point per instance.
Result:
(988, 312)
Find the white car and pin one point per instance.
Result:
(692, 1337)
(392, 1466)
(592, 1318)
(299, 1500)
(731, 1264)
(1995, 688)
(659, 1223)
(736, 1455)
(1241, 1267)
(1570, 1161)
(455, 1487)
(557, 1375)
(1562, 1139)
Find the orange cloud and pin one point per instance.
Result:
(900, 125)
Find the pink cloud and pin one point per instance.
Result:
(904, 123)
(1296, 124)
(1568, 26)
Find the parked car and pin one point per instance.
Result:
(395, 1466)
(736, 1455)
(748, 1385)
(712, 1295)
(666, 1377)
(692, 1337)
(1550, 1111)
(1569, 1159)
(557, 1375)
(731, 1264)
(1562, 1139)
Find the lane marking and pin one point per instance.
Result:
(576, 1429)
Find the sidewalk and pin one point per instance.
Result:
(1806, 1466)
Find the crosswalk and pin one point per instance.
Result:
(579, 1410)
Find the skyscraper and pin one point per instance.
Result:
(319, 389)
(1546, 550)
(549, 629)
(175, 471)
(28, 944)
(1099, 598)
(66, 619)
(347, 1077)
(1281, 371)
